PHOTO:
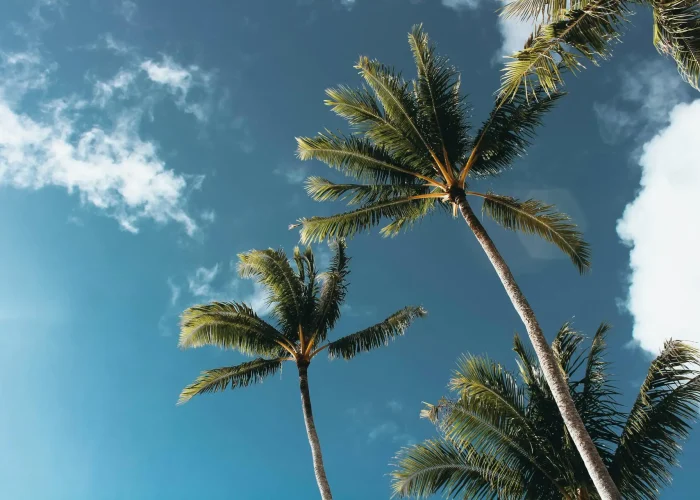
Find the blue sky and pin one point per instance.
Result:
(143, 144)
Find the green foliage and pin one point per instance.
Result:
(504, 438)
(411, 153)
(534, 217)
(375, 336)
(219, 379)
(305, 305)
(585, 29)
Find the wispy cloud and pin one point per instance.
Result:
(128, 10)
(395, 406)
(200, 283)
(174, 292)
(293, 173)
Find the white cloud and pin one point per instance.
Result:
(174, 292)
(200, 282)
(647, 94)
(179, 81)
(112, 44)
(383, 430)
(348, 4)
(461, 4)
(295, 174)
(395, 406)
(120, 84)
(128, 10)
(661, 228)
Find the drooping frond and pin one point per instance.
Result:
(581, 33)
(357, 157)
(440, 106)
(458, 471)
(375, 336)
(677, 34)
(347, 224)
(535, 217)
(219, 379)
(320, 189)
(362, 111)
(658, 423)
(332, 294)
(272, 269)
(507, 133)
(306, 267)
(421, 210)
(229, 325)
(546, 10)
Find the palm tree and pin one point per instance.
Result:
(503, 438)
(578, 30)
(412, 153)
(306, 306)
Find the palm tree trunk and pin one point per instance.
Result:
(319, 470)
(552, 372)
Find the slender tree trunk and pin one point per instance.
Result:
(552, 372)
(319, 470)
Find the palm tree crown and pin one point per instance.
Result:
(305, 305)
(503, 437)
(580, 30)
(413, 152)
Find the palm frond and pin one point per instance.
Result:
(220, 379)
(272, 269)
(397, 100)
(658, 423)
(580, 33)
(347, 224)
(566, 349)
(375, 336)
(677, 34)
(229, 325)
(320, 189)
(362, 111)
(458, 471)
(507, 133)
(422, 209)
(546, 10)
(358, 158)
(332, 294)
(535, 217)
(440, 106)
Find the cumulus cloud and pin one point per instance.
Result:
(661, 228)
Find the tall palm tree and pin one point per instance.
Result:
(412, 152)
(305, 306)
(578, 30)
(503, 438)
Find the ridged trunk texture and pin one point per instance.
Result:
(319, 470)
(555, 379)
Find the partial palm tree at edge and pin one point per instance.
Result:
(305, 306)
(501, 437)
(412, 153)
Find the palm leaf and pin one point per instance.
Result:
(440, 106)
(677, 34)
(272, 269)
(356, 157)
(580, 33)
(332, 294)
(507, 133)
(229, 325)
(365, 114)
(320, 189)
(441, 465)
(658, 422)
(347, 224)
(375, 336)
(219, 379)
(535, 217)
